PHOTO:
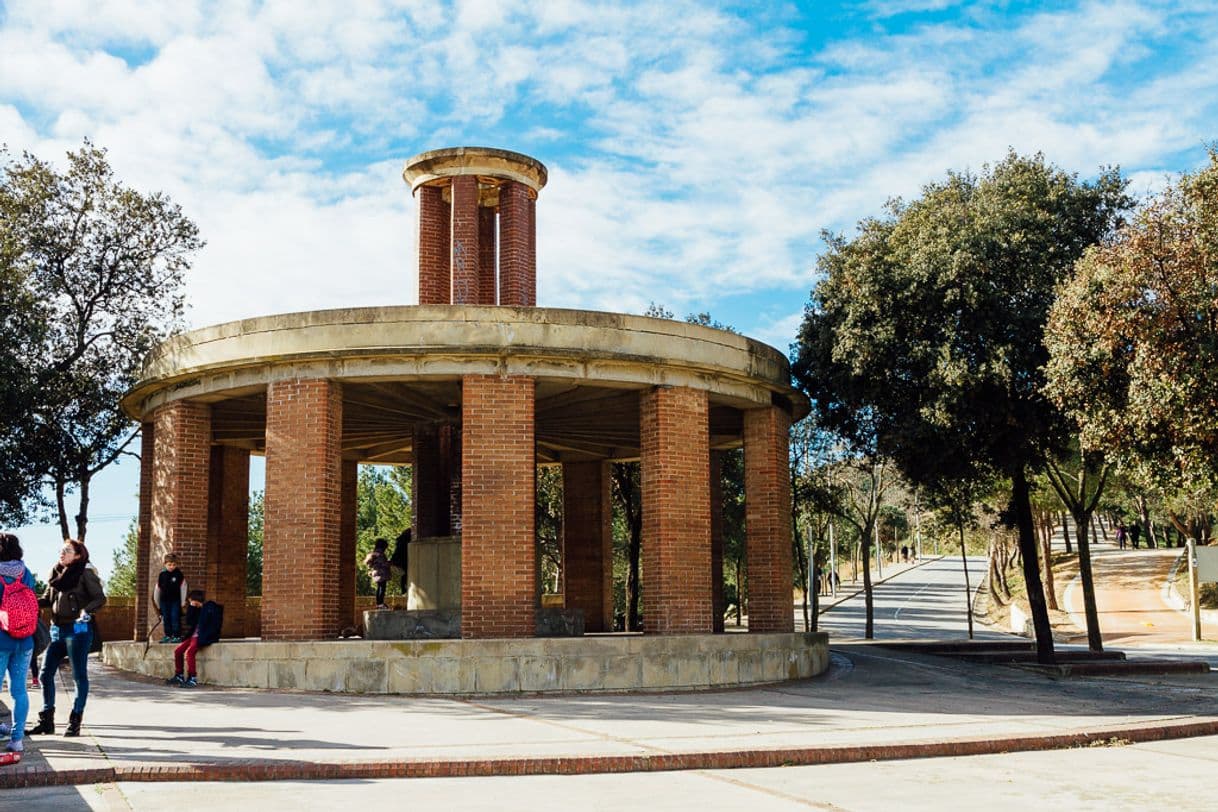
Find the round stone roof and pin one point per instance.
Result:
(433, 165)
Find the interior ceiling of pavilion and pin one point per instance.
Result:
(574, 422)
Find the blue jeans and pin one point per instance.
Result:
(171, 618)
(75, 647)
(17, 663)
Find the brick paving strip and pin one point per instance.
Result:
(280, 770)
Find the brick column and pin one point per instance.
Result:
(517, 246)
(675, 471)
(181, 460)
(347, 565)
(143, 589)
(767, 512)
(587, 553)
(487, 226)
(465, 252)
(434, 235)
(718, 599)
(228, 535)
(300, 556)
(498, 548)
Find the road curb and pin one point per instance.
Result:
(279, 770)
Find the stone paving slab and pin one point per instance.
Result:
(874, 704)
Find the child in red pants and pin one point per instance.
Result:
(203, 621)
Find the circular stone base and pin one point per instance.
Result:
(530, 665)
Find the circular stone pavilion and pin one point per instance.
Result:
(474, 387)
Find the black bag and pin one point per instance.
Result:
(42, 637)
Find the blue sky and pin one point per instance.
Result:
(696, 150)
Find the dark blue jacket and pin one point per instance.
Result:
(208, 618)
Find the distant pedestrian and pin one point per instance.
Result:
(16, 639)
(1135, 532)
(203, 622)
(1121, 534)
(378, 570)
(170, 599)
(905, 554)
(401, 558)
(74, 592)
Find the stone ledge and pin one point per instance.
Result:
(483, 667)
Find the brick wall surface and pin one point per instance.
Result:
(228, 535)
(300, 556)
(140, 614)
(181, 480)
(347, 565)
(434, 236)
(498, 552)
(465, 253)
(675, 456)
(767, 505)
(517, 246)
(588, 543)
(488, 225)
(718, 599)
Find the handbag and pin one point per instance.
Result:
(42, 637)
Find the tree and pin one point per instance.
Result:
(383, 510)
(924, 341)
(101, 267)
(122, 578)
(549, 518)
(1133, 339)
(253, 553)
(22, 333)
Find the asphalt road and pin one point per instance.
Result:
(923, 603)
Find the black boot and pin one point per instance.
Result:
(73, 728)
(46, 723)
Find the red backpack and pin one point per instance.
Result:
(18, 609)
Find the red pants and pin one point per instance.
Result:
(187, 647)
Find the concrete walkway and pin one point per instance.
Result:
(1129, 598)
(873, 704)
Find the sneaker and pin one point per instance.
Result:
(10, 757)
(190, 682)
(176, 679)
(166, 639)
(34, 683)
(5, 729)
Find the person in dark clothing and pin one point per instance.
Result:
(400, 558)
(170, 598)
(203, 621)
(378, 570)
(1135, 533)
(74, 593)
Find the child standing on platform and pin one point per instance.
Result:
(170, 598)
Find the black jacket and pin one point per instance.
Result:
(208, 618)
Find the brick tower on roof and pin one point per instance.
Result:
(477, 225)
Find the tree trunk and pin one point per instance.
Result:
(1050, 590)
(1066, 533)
(801, 565)
(992, 579)
(1103, 530)
(633, 623)
(868, 598)
(1147, 527)
(968, 590)
(1021, 500)
(62, 509)
(82, 515)
(1095, 640)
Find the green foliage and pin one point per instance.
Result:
(92, 274)
(384, 509)
(549, 516)
(122, 579)
(253, 552)
(1133, 339)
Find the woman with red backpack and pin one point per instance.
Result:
(16, 638)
